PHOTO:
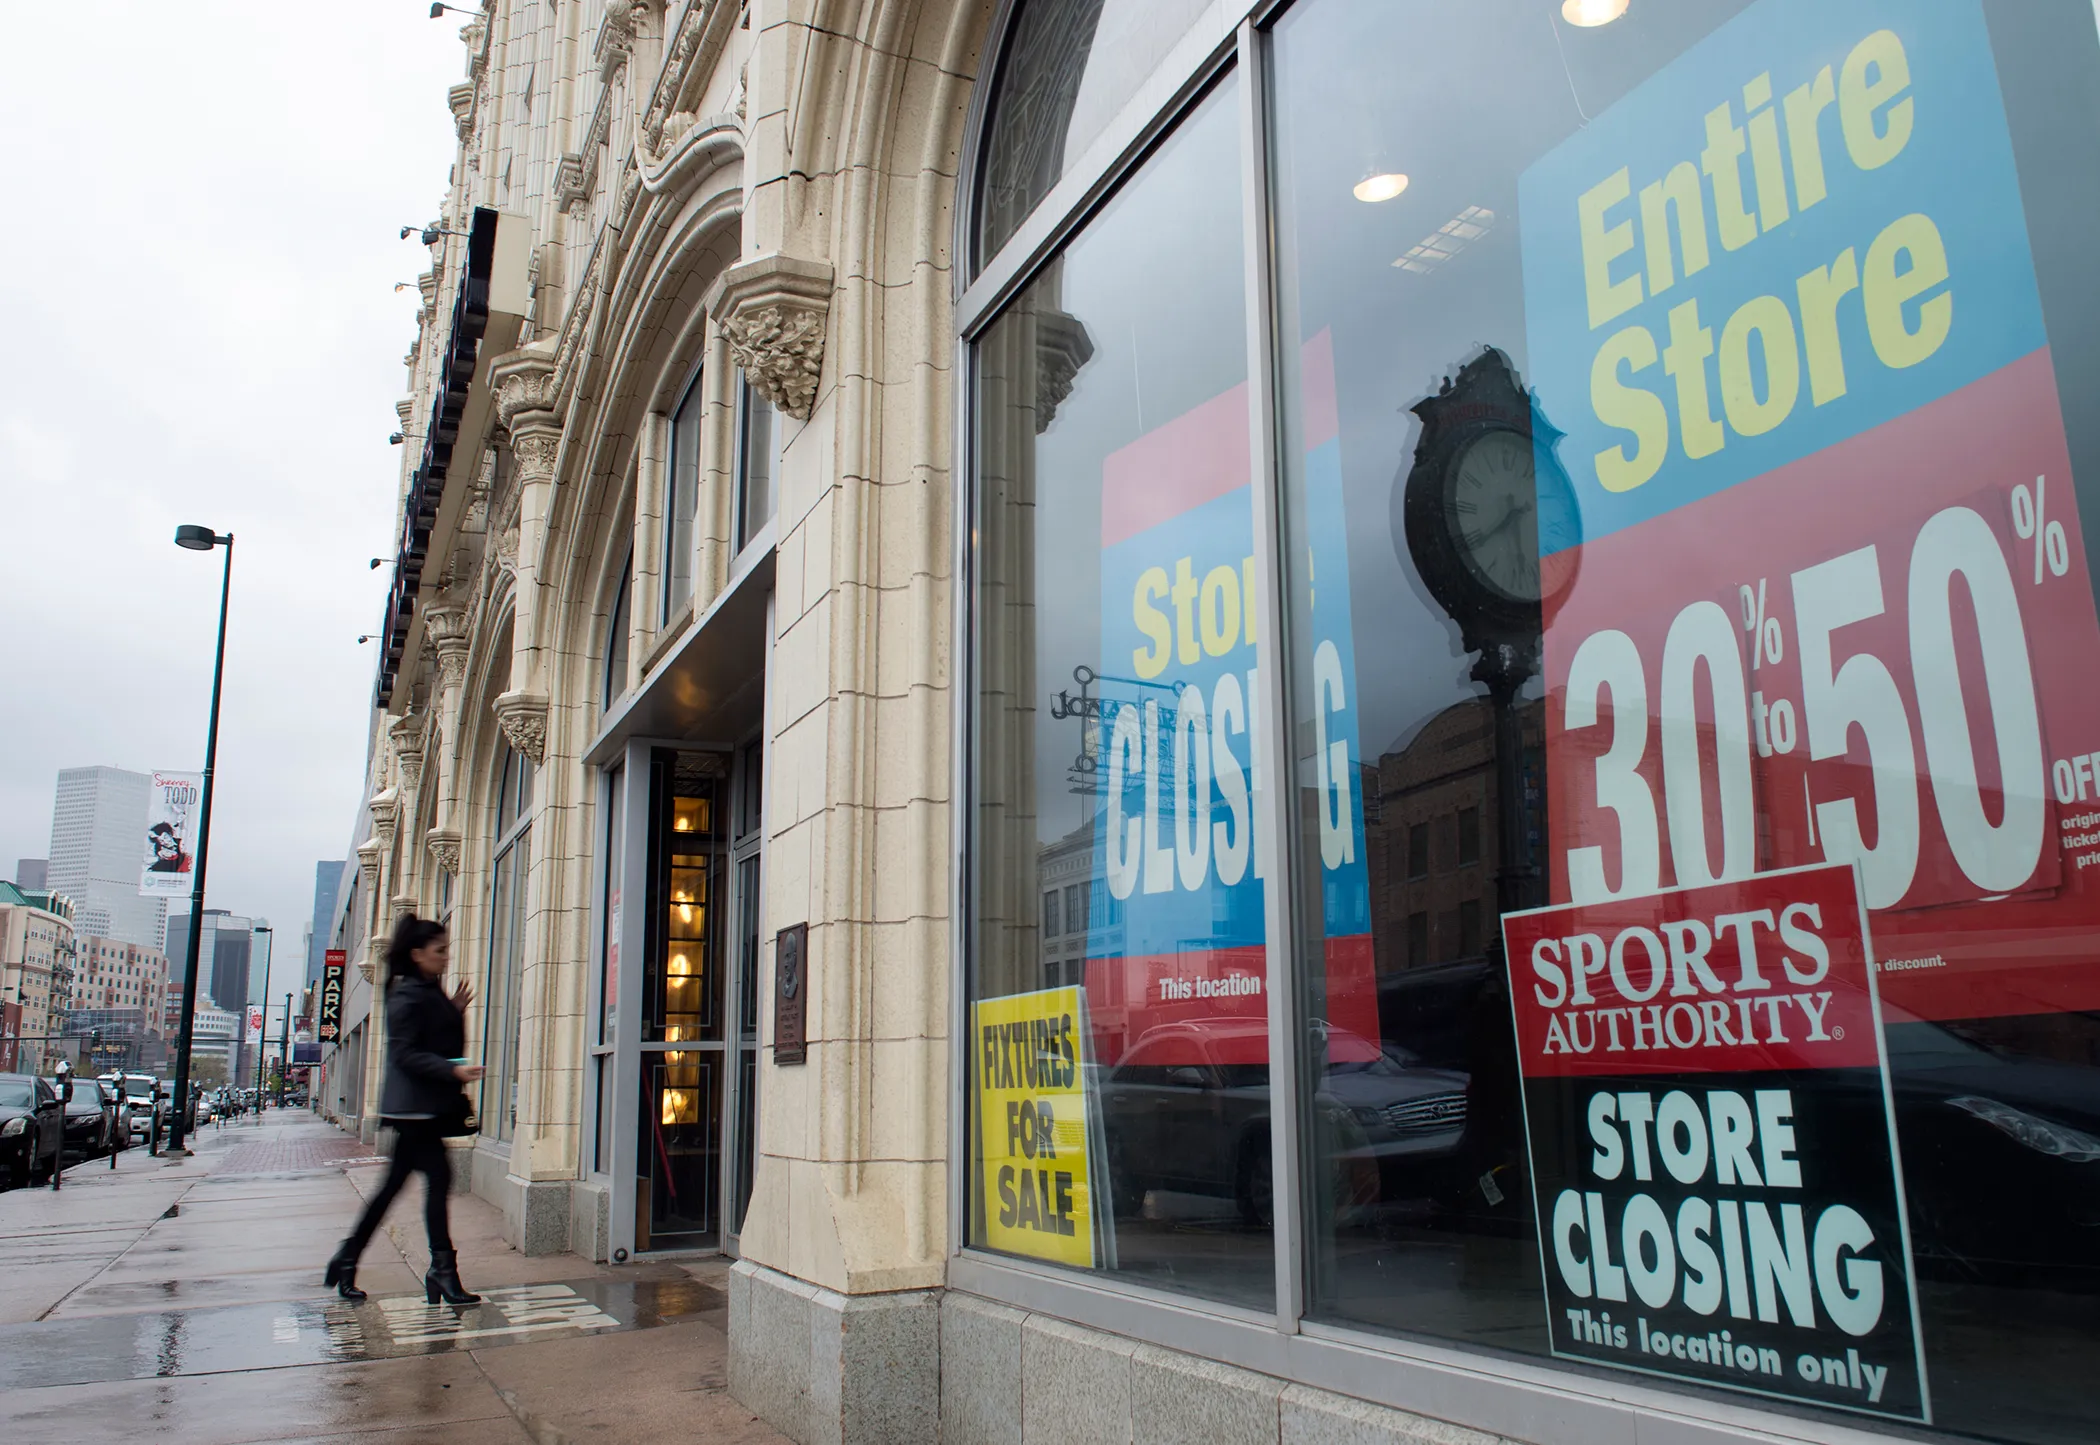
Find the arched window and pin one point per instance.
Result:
(681, 499)
(507, 907)
(617, 640)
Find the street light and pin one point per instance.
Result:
(199, 539)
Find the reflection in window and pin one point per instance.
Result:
(681, 499)
(1459, 535)
(1069, 66)
(1113, 408)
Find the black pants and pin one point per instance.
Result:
(418, 1149)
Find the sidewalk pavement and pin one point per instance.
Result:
(182, 1300)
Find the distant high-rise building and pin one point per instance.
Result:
(328, 880)
(236, 972)
(30, 873)
(98, 829)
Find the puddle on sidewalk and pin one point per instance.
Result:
(212, 1340)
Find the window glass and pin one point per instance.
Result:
(1114, 529)
(1069, 66)
(499, 1044)
(615, 900)
(758, 454)
(1691, 407)
(681, 498)
(618, 638)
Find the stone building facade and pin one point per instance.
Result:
(1000, 605)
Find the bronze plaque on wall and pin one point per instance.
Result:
(790, 985)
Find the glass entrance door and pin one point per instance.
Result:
(679, 1122)
(747, 854)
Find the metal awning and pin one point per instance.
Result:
(710, 686)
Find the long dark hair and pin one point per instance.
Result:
(410, 934)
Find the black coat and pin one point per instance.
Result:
(424, 1034)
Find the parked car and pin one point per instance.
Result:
(145, 1104)
(1187, 1110)
(32, 1128)
(90, 1119)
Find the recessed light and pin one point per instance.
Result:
(1382, 187)
(1589, 13)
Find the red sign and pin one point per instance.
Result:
(328, 1025)
(1771, 972)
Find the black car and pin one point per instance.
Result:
(32, 1128)
(91, 1128)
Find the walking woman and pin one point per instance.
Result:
(422, 1100)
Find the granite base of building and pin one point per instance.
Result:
(831, 1369)
(590, 1220)
(535, 1211)
(941, 1365)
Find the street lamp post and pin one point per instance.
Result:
(199, 539)
(284, 1063)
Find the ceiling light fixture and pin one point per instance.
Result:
(1591, 13)
(1381, 187)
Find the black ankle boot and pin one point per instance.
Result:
(442, 1283)
(342, 1273)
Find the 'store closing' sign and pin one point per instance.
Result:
(1712, 1141)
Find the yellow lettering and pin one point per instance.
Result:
(1773, 325)
(1820, 291)
(1860, 94)
(1804, 105)
(1764, 152)
(1151, 585)
(1884, 290)
(1630, 408)
(1601, 245)
(1722, 160)
(1678, 191)
(1184, 595)
(1218, 611)
(1685, 360)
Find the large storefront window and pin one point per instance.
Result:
(1113, 499)
(1673, 461)
(499, 1045)
(1691, 658)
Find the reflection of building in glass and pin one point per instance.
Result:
(1080, 920)
(1430, 812)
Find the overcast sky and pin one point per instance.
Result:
(196, 291)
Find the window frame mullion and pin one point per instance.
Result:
(1274, 837)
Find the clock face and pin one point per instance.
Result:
(1494, 513)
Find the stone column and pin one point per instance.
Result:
(445, 624)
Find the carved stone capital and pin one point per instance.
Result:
(364, 964)
(523, 718)
(443, 846)
(535, 451)
(773, 310)
(386, 807)
(368, 863)
(616, 34)
(446, 627)
(523, 382)
(461, 98)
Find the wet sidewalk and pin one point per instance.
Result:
(182, 1300)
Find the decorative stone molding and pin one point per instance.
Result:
(443, 846)
(572, 183)
(523, 718)
(461, 98)
(523, 381)
(403, 906)
(446, 626)
(773, 310)
(386, 807)
(685, 47)
(616, 32)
